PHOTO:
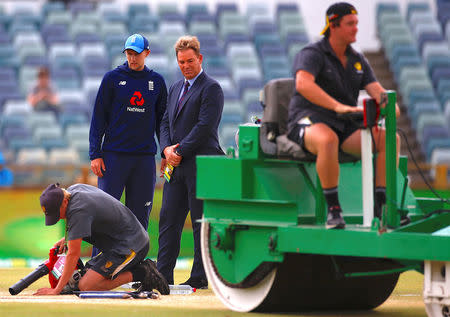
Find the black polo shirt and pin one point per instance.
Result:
(343, 84)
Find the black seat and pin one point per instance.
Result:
(273, 133)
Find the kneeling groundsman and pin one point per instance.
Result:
(101, 220)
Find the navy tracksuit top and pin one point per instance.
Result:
(127, 113)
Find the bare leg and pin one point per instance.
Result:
(352, 145)
(323, 142)
(93, 281)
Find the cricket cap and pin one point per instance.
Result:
(51, 200)
(336, 11)
(137, 43)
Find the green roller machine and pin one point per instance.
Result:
(264, 242)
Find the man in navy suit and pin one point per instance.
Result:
(189, 128)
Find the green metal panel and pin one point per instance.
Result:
(219, 177)
(249, 142)
(393, 218)
(276, 212)
(268, 178)
(238, 263)
(354, 241)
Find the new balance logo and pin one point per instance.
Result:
(122, 83)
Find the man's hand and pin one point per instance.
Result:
(341, 108)
(171, 156)
(46, 291)
(98, 166)
(162, 167)
(61, 244)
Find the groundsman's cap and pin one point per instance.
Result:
(51, 200)
(336, 11)
(137, 43)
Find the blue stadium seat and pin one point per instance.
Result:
(87, 38)
(77, 7)
(434, 133)
(70, 118)
(267, 39)
(436, 143)
(264, 28)
(143, 24)
(195, 9)
(435, 49)
(48, 7)
(436, 75)
(164, 8)
(19, 106)
(30, 156)
(59, 17)
(200, 27)
(82, 147)
(49, 136)
(435, 62)
(202, 17)
(8, 74)
(8, 56)
(10, 133)
(53, 29)
(286, 7)
(63, 156)
(249, 84)
(429, 120)
(413, 7)
(428, 37)
(420, 96)
(42, 118)
(221, 8)
(421, 17)
(403, 62)
(173, 18)
(422, 108)
(12, 120)
(77, 131)
(136, 9)
(65, 78)
(217, 71)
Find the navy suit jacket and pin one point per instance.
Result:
(195, 126)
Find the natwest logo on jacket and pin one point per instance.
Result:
(136, 99)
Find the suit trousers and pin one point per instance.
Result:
(179, 197)
(135, 173)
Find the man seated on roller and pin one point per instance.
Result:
(328, 77)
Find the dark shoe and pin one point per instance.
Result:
(153, 279)
(198, 283)
(335, 219)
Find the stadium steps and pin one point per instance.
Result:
(380, 66)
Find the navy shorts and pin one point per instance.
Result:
(297, 133)
(110, 263)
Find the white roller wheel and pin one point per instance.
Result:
(437, 310)
(237, 299)
(436, 288)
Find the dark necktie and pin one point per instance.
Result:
(185, 90)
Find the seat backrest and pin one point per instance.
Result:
(273, 132)
(277, 95)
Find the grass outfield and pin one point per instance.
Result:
(22, 218)
(406, 301)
